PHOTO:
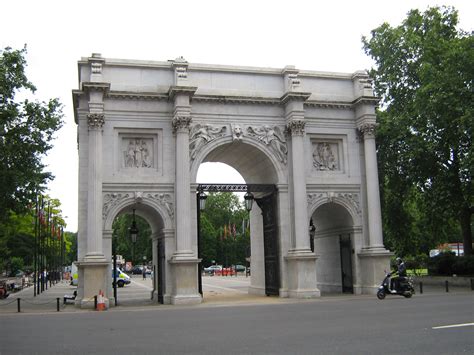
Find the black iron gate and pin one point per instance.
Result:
(270, 243)
(161, 269)
(346, 263)
(270, 230)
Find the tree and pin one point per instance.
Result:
(26, 132)
(424, 72)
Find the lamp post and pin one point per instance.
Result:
(133, 230)
(114, 247)
(248, 201)
(312, 232)
(201, 205)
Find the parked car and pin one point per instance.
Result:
(213, 268)
(137, 270)
(239, 268)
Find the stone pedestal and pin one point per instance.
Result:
(301, 275)
(95, 277)
(373, 264)
(185, 285)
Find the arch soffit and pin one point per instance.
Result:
(350, 201)
(278, 166)
(157, 214)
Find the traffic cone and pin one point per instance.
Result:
(100, 301)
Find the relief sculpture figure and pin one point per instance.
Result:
(323, 157)
(272, 137)
(138, 155)
(200, 135)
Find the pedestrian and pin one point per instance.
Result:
(144, 272)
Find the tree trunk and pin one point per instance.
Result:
(465, 220)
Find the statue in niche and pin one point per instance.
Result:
(273, 137)
(323, 157)
(200, 135)
(138, 155)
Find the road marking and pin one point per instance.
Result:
(454, 326)
(141, 285)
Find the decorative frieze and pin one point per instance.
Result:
(201, 134)
(272, 137)
(165, 200)
(350, 200)
(111, 200)
(95, 120)
(237, 132)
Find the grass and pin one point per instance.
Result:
(417, 272)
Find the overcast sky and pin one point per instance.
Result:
(312, 35)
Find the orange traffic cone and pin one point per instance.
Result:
(100, 301)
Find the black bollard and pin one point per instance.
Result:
(447, 285)
(57, 304)
(472, 284)
(18, 304)
(421, 287)
(95, 302)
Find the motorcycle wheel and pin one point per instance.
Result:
(381, 294)
(407, 295)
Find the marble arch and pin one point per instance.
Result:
(144, 127)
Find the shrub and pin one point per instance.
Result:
(447, 264)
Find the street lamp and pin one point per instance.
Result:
(133, 230)
(202, 200)
(248, 201)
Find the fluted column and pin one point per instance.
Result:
(373, 194)
(183, 203)
(296, 127)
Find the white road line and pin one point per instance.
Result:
(454, 326)
(141, 285)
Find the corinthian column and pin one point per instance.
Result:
(296, 127)
(373, 194)
(95, 122)
(182, 186)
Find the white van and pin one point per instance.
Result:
(122, 278)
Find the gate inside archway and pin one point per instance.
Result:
(145, 127)
(265, 195)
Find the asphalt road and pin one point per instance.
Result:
(330, 325)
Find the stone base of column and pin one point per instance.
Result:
(94, 279)
(374, 264)
(302, 274)
(166, 298)
(185, 280)
(254, 290)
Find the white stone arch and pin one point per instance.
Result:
(223, 146)
(146, 205)
(349, 200)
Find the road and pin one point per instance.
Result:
(330, 325)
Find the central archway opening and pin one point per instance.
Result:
(250, 242)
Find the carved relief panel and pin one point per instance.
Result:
(138, 151)
(327, 155)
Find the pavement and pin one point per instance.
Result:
(218, 292)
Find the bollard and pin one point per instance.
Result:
(18, 304)
(57, 304)
(447, 285)
(472, 284)
(421, 287)
(95, 302)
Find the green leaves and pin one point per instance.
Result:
(26, 134)
(424, 74)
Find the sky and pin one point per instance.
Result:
(311, 35)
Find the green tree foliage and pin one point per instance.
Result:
(219, 243)
(26, 133)
(424, 74)
(125, 247)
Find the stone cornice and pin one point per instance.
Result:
(237, 99)
(186, 90)
(123, 95)
(330, 104)
(96, 86)
(295, 96)
(366, 100)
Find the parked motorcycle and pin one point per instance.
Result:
(404, 289)
(3, 290)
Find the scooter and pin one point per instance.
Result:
(405, 287)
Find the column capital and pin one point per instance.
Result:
(368, 129)
(181, 123)
(95, 120)
(296, 127)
